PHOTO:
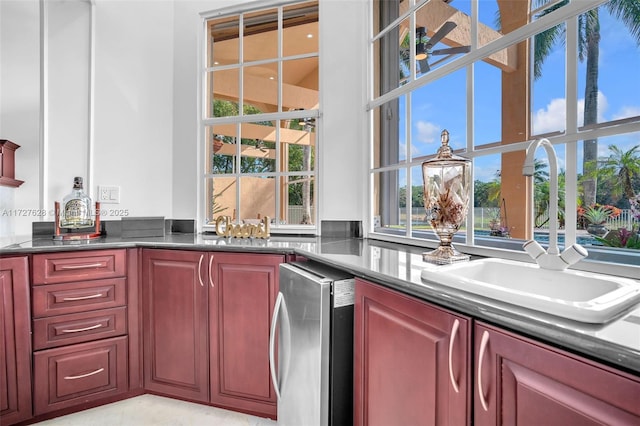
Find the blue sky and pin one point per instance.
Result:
(443, 104)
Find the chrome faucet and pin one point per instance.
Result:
(551, 258)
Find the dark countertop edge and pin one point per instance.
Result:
(5, 252)
(544, 328)
(538, 326)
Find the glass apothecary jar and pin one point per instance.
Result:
(447, 182)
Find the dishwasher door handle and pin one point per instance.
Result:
(272, 343)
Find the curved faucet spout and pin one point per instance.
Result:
(529, 168)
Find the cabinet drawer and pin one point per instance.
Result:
(80, 373)
(50, 332)
(68, 298)
(83, 265)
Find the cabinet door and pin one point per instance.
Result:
(411, 361)
(176, 356)
(15, 346)
(522, 382)
(242, 299)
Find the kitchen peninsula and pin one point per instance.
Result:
(396, 269)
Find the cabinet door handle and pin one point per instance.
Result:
(77, 330)
(82, 376)
(200, 270)
(83, 266)
(452, 339)
(210, 270)
(272, 341)
(483, 350)
(91, 296)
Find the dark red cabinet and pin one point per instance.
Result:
(241, 303)
(176, 342)
(15, 344)
(412, 361)
(519, 381)
(84, 306)
(206, 326)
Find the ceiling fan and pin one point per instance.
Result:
(424, 47)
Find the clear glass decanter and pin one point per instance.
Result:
(447, 181)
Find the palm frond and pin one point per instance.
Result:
(628, 11)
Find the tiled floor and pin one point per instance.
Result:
(151, 410)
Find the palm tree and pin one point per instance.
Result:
(622, 166)
(628, 11)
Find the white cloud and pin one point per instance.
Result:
(402, 149)
(427, 132)
(626, 112)
(603, 104)
(552, 117)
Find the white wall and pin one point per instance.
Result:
(343, 155)
(66, 107)
(134, 104)
(145, 125)
(20, 107)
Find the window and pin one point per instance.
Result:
(498, 75)
(258, 115)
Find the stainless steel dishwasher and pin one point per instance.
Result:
(313, 326)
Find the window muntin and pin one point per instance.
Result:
(499, 150)
(259, 113)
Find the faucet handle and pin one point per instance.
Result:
(534, 249)
(573, 254)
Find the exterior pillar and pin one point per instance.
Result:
(516, 189)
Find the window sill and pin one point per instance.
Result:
(610, 261)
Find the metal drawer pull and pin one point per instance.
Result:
(91, 296)
(452, 339)
(199, 270)
(82, 376)
(86, 265)
(483, 349)
(77, 330)
(210, 276)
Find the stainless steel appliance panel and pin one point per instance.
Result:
(304, 324)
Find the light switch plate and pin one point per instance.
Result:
(108, 194)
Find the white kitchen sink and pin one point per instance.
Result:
(581, 296)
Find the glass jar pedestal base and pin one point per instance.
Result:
(445, 255)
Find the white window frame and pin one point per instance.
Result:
(204, 121)
(570, 137)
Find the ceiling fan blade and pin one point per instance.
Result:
(442, 59)
(439, 35)
(452, 50)
(424, 66)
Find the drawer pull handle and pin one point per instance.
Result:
(483, 350)
(210, 275)
(82, 376)
(91, 296)
(199, 270)
(452, 339)
(84, 266)
(77, 330)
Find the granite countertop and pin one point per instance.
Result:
(396, 266)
